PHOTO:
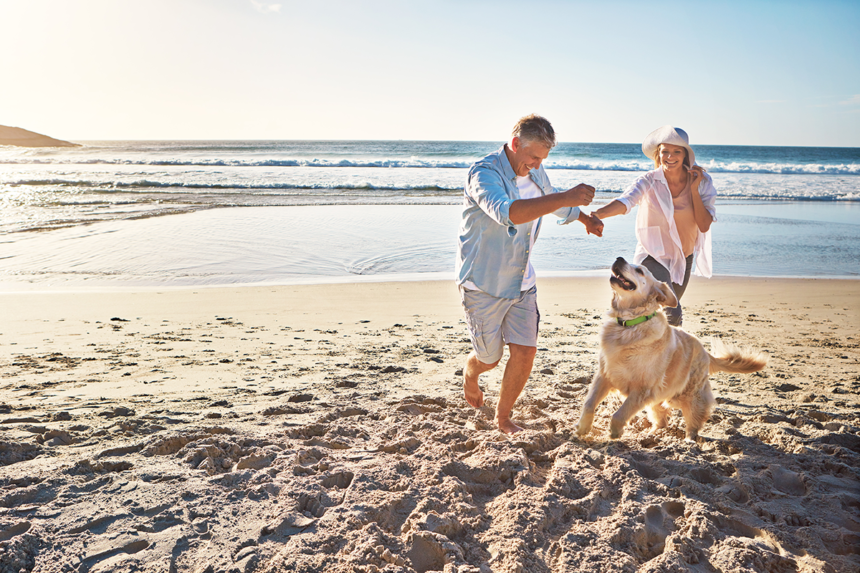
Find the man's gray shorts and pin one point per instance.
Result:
(494, 322)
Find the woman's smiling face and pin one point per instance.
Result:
(672, 156)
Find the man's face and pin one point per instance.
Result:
(526, 155)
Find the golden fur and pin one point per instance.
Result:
(655, 365)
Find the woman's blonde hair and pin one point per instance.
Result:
(657, 156)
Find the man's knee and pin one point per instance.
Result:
(522, 352)
(484, 366)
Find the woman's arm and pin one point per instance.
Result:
(611, 209)
(627, 200)
(700, 213)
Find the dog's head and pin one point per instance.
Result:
(636, 288)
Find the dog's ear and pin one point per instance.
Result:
(666, 296)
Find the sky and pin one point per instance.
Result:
(750, 72)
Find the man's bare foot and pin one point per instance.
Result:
(473, 393)
(507, 426)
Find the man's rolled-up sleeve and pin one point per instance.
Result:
(566, 215)
(487, 189)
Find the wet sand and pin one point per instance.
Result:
(322, 428)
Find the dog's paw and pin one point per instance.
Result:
(616, 427)
(615, 430)
(584, 425)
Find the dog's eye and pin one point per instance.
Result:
(638, 270)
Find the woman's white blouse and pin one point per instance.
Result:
(655, 224)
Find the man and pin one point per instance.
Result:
(506, 194)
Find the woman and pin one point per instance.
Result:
(676, 209)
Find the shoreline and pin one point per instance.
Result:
(265, 246)
(593, 278)
(439, 277)
(326, 281)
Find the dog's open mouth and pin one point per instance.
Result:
(618, 279)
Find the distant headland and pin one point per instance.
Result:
(24, 138)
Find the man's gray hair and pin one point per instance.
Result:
(535, 129)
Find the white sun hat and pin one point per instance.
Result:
(670, 135)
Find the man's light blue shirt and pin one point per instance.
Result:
(492, 252)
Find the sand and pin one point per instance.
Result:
(322, 428)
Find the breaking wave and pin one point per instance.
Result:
(421, 163)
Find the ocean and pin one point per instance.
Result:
(197, 213)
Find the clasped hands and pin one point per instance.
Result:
(582, 195)
(593, 224)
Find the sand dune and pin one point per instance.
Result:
(322, 428)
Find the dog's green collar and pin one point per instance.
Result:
(637, 320)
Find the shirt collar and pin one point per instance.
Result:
(506, 165)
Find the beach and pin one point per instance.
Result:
(231, 335)
(322, 428)
(246, 356)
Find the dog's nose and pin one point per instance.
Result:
(620, 260)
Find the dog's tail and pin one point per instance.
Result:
(730, 358)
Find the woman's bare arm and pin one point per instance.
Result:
(611, 209)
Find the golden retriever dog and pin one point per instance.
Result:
(651, 363)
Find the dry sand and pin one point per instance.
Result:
(322, 428)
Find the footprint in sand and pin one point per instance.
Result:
(706, 476)
(735, 491)
(340, 480)
(788, 481)
(426, 552)
(310, 506)
(14, 530)
(655, 530)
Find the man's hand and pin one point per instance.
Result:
(525, 210)
(581, 195)
(593, 224)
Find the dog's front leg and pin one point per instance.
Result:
(599, 389)
(633, 404)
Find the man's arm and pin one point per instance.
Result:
(525, 210)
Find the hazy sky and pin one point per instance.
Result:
(747, 72)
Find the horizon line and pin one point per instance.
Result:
(494, 142)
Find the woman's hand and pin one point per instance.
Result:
(593, 225)
(697, 174)
(701, 214)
